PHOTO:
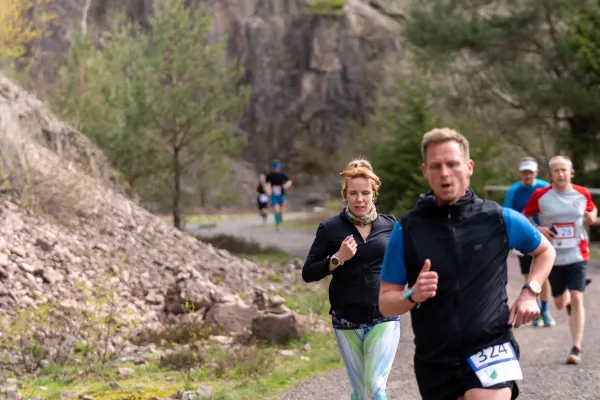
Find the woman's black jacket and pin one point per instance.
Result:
(354, 287)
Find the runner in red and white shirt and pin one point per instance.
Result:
(563, 208)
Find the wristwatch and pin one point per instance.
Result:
(335, 260)
(534, 286)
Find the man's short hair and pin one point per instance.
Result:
(443, 135)
(560, 159)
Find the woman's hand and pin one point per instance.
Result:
(347, 249)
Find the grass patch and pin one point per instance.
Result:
(306, 224)
(146, 382)
(263, 258)
(312, 221)
(208, 219)
(257, 372)
(326, 7)
(310, 298)
(334, 205)
(207, 225)
(287, 372)
(274, 277)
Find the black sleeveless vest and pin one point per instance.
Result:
(467, 244)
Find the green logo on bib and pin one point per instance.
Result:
(493, 375)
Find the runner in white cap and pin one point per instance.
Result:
(516, 198)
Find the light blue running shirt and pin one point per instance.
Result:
(518, 195)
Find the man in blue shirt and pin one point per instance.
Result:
(278, 182)
(451, 251)
(516, 198)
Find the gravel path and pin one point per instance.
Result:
(543, 350)
(296, 242)
(543, 355)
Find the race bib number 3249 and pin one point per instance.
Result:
(496, 364)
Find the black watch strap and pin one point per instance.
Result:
(417, 305)
(527, 286)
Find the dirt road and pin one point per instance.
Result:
(543, 350)
(543, 355)
(293, 241)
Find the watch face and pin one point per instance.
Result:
(535, 286)
(334, 260)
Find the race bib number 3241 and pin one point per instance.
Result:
(496, 364)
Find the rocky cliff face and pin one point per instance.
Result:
(309, 72)
(308, 79)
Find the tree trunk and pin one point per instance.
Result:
(177, 222)
(84, 16)
(203, 198)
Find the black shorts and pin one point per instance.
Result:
(449, 382)
(262, 205)
(525, 263)
(571, 276)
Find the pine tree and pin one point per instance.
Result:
(403, 113)
(518, 64)
(160, 101)
(397, 160)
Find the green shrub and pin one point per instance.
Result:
(326, 7)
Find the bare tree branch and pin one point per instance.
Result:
(84, 13)
(84, 16)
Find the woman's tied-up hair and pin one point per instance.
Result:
(360, 168)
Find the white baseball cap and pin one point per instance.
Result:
(528, 165)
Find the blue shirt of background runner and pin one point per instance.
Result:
(518, 195)
(522, 235)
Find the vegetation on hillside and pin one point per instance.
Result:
(403, 111)
(518, 79)
(162, 103)
(86, 356)
(326, 7)
(22, 22)
(523, 69)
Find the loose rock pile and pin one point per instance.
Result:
(69, 240)
(155, 274)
